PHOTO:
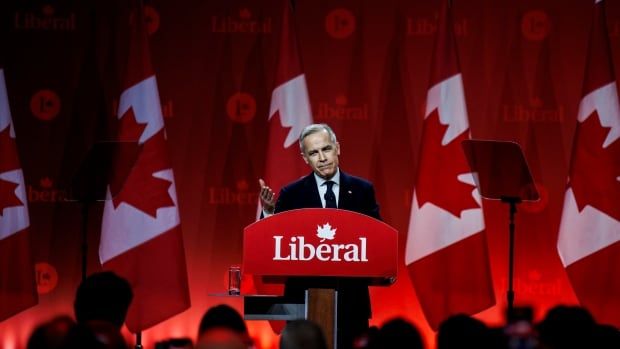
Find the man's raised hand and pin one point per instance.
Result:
(267, 197)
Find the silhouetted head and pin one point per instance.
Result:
(51, 334)
(222, 316)
(567, 327)
(462, 331)
(398, 333)
(103, 296)
(63, 333)
(302, 334)
(221, 338)
(606, 337)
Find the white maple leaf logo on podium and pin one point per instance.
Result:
(325, 232)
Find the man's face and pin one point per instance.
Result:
(321, 154)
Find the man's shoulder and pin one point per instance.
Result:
(354, 180)
(300, 183)
(307, 181)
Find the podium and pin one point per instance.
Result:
(329, 244)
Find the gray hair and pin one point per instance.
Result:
(315, 128)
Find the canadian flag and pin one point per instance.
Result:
(446, 252)
(141, 237)
(17, 276)
(289, 113)
(590, 226)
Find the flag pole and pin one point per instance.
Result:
(139, 340)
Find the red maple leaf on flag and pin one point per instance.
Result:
(132, 180)
(8, 162)
(8, 151)
(439, 168)
(127, 150)
(129, 129)
(278, 133)
(595, 170)
(7, 195)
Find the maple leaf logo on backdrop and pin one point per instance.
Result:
(439, 168)
(325, 232)
(132, 180)
(595, 170)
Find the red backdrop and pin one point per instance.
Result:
(366, 64)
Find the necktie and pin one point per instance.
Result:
(330, 197)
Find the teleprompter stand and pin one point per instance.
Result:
(501, 173)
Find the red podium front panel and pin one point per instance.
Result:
(320, 242)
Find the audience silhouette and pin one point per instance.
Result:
(606, 337)
(51, 334)
(103, 296)
(567, 327)
(103, 299)
(302, 334)
(221, 338)
(222, 315)
(398, 333)
(63, 333)
(463, 332)
(221, 326)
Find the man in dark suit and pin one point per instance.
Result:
(327, 186)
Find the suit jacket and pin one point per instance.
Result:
(357, 195)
